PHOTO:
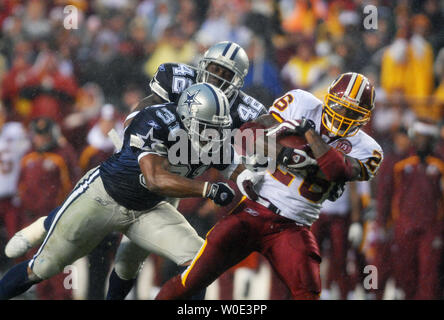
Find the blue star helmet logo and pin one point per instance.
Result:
(191, 100)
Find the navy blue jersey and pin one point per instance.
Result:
(151, 131)
(172, 78)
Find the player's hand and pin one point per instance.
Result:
(336, 192)
(292, 127)
(299, 159)
(246, 181)
(220, 193)
(355, 233)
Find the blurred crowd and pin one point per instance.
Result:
(62, 89)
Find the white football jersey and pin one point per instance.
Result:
(300, 196)
(13, 145)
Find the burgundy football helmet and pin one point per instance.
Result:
(348, 104)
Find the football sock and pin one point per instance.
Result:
(15, 281)
(118, 288)
(200, 295)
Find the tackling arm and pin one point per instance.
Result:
(161, 181)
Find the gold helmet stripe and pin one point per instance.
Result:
(356, 86)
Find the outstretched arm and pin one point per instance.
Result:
(161, 181)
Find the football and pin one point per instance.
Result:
(292, 141)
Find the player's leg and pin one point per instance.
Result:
(164, 231)
(127, 263)
(83, 220)
(29, 237)
(225, 246)
(294, 255)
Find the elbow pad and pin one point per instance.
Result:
(335, 166)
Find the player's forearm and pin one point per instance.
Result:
(317, 145)
(172, 185)
(335, 165)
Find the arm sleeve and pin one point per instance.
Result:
(160, 84)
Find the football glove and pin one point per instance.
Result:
(292, 127)
(220, 193)
(336, 192)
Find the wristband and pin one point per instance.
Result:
(204, 191)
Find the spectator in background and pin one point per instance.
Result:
(14, 81)
(50, 93)
(14, 143)
(48, 169)
(100, 147)
(75, 127)
(304, 68)
(433, 10)
(35, 24)
(416, 197)
(302, 16)
(381, 249)
(262, 80)
(224, 23)
(131, 97)
(172, 47)
(335, 67)
(407, 65)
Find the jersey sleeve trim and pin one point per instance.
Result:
(277, 116)
(143, 154)
(157, 89)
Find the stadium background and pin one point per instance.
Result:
(69, 75)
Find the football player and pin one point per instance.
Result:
(278, 224)
(127, 192)
(224, 65)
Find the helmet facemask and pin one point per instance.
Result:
(206, 136)
(343, 118)
(228, 86)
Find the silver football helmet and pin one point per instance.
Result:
(205, 113)
(229, 55)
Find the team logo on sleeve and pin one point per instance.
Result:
(343, 145)
(153, 124)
